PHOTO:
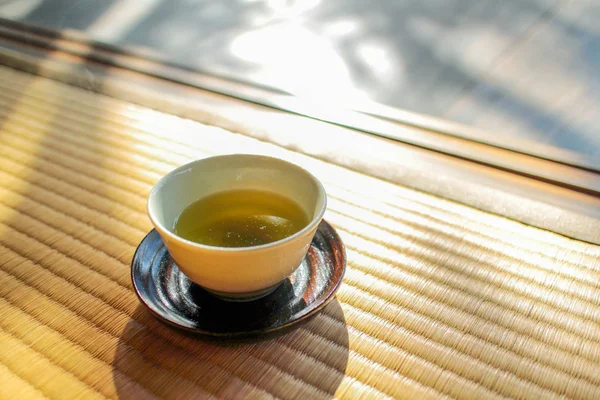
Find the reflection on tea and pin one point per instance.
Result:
(240, 218)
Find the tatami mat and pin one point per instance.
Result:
(439, 300)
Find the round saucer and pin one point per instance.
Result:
(175, 299)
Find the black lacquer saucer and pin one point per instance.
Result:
(176, 300)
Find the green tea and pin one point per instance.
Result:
(240, 218)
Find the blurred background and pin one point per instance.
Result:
(521, 69)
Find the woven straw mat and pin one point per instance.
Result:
(439, 300)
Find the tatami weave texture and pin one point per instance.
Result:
(439, 300)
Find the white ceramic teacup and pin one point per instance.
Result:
(242, 273)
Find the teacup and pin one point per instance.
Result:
(242, 273)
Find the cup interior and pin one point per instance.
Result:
(186, 184)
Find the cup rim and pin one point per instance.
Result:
(312, 224)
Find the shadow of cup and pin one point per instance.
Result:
(154, 360)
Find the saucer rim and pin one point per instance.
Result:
(246, 334)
